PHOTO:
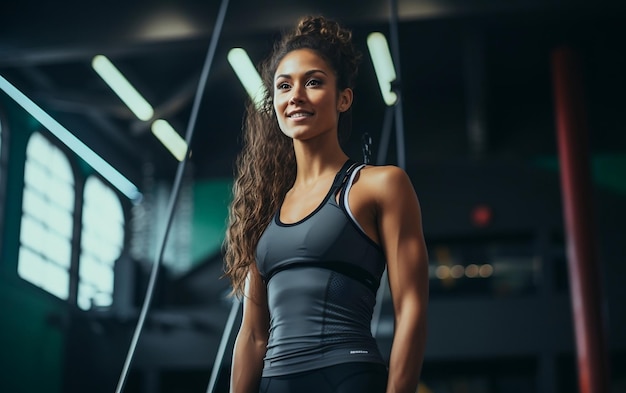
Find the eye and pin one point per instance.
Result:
(314, 82)
(282, 86)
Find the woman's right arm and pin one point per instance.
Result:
(251, 342)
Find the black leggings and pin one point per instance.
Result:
(354, 377)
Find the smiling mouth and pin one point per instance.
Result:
(299, 115)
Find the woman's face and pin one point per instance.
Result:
(306, 100)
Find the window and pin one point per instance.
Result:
(102, 241)
(47, 217)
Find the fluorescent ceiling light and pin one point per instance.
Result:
(76, 145)
(140, 107)
(383, 65)
(120, 85)
(170, 138)
(247, 74)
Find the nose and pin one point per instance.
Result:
(297, 95)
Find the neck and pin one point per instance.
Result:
(317, 160)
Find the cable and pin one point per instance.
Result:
(366, 142)
(384, 136)
(219, 357)
(395, 50)
(174, 195)
(395, 47)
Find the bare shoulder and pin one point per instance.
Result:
(386, 181)
(385, 172)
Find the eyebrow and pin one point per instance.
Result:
(310, 72)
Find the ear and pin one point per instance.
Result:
(345, 100)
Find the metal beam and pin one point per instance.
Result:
(93, 112)
(36, 54)
(179, 100)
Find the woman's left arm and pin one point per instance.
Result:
(400, 229)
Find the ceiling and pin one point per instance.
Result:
(46, 49)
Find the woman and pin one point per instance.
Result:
(310, 232)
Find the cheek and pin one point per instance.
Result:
(279, 103)
(276, 105)
(279, 110)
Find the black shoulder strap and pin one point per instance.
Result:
(343, 173)
(342, 189)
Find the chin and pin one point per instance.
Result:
(297, 133)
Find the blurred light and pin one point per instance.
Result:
(247, 74)
(457, 271)
(383, 65)
(170, 138)
(442, 272)
(76, 145)
(481, 215)
(471, 271)
(120, 85)
(166, 24)
(427, 9)
(485, 271)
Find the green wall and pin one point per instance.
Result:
(31, 358)
(32, 354)
(210, 204)
(607, 170)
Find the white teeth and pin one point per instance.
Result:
(299, 114)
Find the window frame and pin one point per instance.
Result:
(76, 213)
(80, 175)
(79, 219)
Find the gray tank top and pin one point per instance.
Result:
(322, 274)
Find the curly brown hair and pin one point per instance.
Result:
(266, 166)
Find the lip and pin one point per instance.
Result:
(306, 114)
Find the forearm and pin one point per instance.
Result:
(407, 354)
(247, 364)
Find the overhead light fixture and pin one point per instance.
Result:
(170, 138)
(101, 166)
(139, 106)
(122, 87)
(247, 74)
(383, 65)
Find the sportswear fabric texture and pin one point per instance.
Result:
(357, 377)
(322, 274)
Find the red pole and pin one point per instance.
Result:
(583, 265)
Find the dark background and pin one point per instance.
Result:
(479, 126)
